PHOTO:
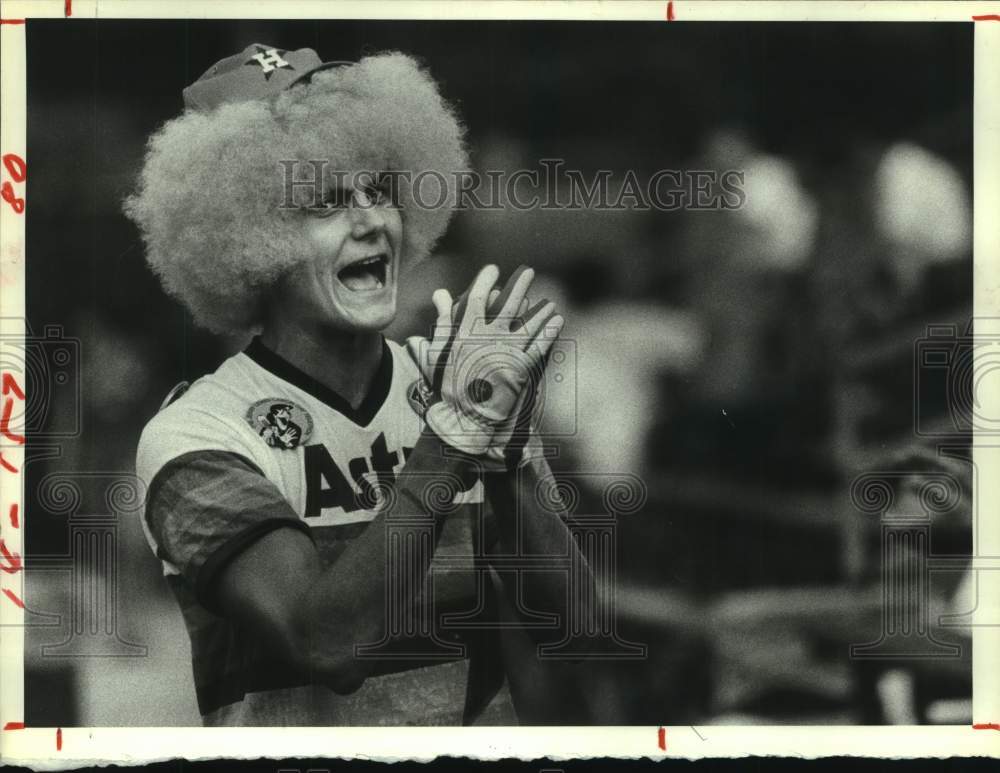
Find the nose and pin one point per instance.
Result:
(367, 218)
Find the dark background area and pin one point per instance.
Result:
(781, 367)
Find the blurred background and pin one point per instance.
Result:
(748, 365)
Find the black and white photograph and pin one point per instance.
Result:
(495, 372)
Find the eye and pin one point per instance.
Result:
(334, 200)
(379, 192)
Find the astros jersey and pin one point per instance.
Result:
(259, 445)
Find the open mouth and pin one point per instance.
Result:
(365, 274)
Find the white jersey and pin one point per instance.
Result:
(323, 457)
(326, 460)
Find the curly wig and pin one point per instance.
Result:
(208, 203)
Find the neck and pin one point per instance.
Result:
(344, 361)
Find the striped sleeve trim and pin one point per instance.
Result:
(205, 584)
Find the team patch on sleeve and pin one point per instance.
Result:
(280, 422)
(419, 396)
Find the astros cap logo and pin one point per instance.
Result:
(269, 60)
(258, 72)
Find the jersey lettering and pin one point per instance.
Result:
(327, 487)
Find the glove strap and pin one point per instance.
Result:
(461, 432)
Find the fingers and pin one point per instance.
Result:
(517, 294)
(496, 304)
(443, 305)
(513, 293)
(478, 293)
(483, 302)
(503, 302)
(537, 317)
(458, 307)
(540, 345)
(524, 313)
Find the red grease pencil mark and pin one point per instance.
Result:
(987, 17)
(68, 7)
(15, 167)
(12, 514)
(12, 558)
(10, 385)
(8, 408)
(987, 726)
(7, 194)
(661, 738)
(58, 739)
(7, 465)
(11, 21)
(670, 11)
(13, 597)
(14, 726)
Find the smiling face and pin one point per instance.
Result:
(355, 236)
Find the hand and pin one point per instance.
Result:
(479, 362)
(517, 432)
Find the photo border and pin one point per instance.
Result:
(56, 748)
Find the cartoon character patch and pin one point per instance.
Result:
(419, 395)
(281, 423)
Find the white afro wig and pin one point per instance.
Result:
(209, 198)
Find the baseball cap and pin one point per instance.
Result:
(258, 72)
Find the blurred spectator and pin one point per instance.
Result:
(894, 242)
(922, 210)
(621, 347)
(758, 406)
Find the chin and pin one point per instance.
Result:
(375, 322)
(364, 318)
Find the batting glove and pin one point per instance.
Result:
(479, 364)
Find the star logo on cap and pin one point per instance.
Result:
(269, 60)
